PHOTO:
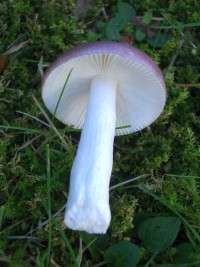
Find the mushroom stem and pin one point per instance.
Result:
(88, 203)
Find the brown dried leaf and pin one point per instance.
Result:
(127, 39)
(5, 56)
(3, 60)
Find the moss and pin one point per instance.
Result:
(169, 146)
(182, 195)
(123, 209)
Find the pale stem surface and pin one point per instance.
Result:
(88, 203)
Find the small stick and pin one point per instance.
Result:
(130, 181)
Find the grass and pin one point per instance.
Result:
(37, 151)
(49, 202)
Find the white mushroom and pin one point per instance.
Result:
(111, 86)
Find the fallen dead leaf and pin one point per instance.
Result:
(127, 39)
(5, 56)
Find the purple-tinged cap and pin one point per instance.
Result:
(141, 91)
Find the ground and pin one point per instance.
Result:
(156, 218)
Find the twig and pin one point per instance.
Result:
(187, 85)
(29, 238)
(191, 43)
(47, 221)
(103, 11)
(130, 181)
(15, 224)
(100, 264)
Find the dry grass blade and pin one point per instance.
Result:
(33, 117)
(4, 257)
(50, 122)
(13, 225)
(53, 262)
(47, 221)
(17, 47)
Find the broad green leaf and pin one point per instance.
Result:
(147, 17)
(92, 36)
(139, 35)
(159, 233)
(100, 25)
(113, 29)
(181, 256)
(123, 254)
(126, 12)
(138, 219)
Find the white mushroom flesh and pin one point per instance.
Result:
(103, 107)
(88, 202)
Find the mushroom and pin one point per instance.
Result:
(113, 89)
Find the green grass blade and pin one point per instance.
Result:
(73, 255)
(180, 26)
(49, 203)
(123, 127)
(1, 217)
(90, 243)
(28, 130)
(183, 176)
(61, 94)
(149, 262)
(159, 32)
(192, 264)
(53, 221)
(41, 258)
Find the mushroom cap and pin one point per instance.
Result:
(141, 91)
